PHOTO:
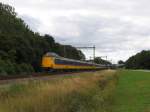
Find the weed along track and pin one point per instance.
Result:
(83, 92)
(38, 76)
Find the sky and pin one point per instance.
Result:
(118, 28)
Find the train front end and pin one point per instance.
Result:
(48, 61)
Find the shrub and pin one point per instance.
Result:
(10, 68)
(26, 68)
(2, 68)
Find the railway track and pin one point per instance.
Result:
(37, 76)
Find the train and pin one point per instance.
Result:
(51, 61)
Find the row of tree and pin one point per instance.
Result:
(139, 61)
(21, 49)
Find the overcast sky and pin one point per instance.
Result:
(118, 28)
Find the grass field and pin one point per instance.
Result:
(133, 92)
(87, 92)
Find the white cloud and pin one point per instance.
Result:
(118, 28)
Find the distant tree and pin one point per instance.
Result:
(50, 40)
(98, 60)
(72, 53)
(121, 62)
(139, 61)
(69, 51)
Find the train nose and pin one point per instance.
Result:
(47, 62)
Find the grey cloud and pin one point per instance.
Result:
(91, 31)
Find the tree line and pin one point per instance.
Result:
(21, 49)
(139, 61)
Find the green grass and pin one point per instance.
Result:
(133, 92)
(87, 92)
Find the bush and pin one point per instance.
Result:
(2, 72)
(10, 68)
(26, 68)
(2, 67)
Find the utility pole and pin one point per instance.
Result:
(93, 52)
(92, 47)
(64, 51)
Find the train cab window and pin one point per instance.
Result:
(51, 54)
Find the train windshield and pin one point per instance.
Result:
(52, 54)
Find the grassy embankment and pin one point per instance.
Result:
(132, 92)
(87, 92)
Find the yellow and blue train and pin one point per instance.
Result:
(51, 61)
